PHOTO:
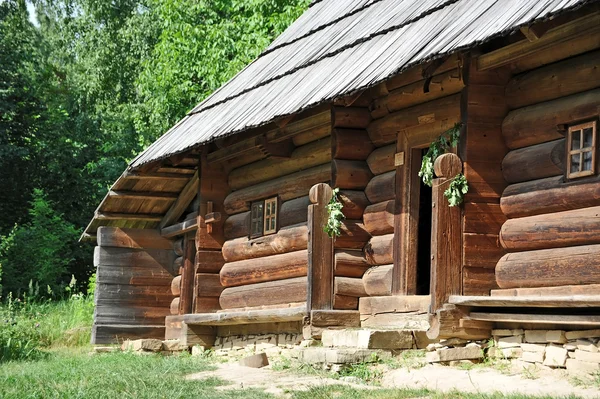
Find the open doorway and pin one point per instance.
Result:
(424, 237)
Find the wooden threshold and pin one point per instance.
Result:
(563, 301)
(562, 319)
(247, 317)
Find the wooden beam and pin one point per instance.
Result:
(247, 317)
(88, 237)
(142, 195)
(153, 176)
(179, 229)
(533, 33)
(584, 320)
(127, 216)
(185, 197)
(506, 55)
(563, 301)
(181, 170)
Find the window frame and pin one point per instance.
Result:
(259, 219)
(266, 217)
(581, 150)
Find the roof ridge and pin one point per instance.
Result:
(328, 55)
(319, 28)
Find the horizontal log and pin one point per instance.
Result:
(554, 230)
(380, 250)
(385, 130)
(350, 175)
(342, 302)
(151, 292)
(538, 123)
(206, 304)
(566, 301)
(287, 239)
(350, 263)
(481, 250)
(294, 211)
(349, 286)
(262, 294)
(382, 187)
(351, 144)
(354, 235)
(132, 217)
(381, 160)
(554, 319)
(209, 261)
(286, 187)
(482, 218)
(132, 274)
(378, 280)
(415, 74)
(208, 285)
(282, 315)
(303, 157)
(439, 86)
(131, 238)
(179, 229)
(334, 318)
(163, 301)
(151, 258)
(353, 203)
(548, 196)
(174, 307)
(550, 267)
(588, 289)
(478, 281)
(312, 135)
(379, 218)
(176, 286)
(560, 79)
(270, 268)
(236, 226)
(534, 162)
(350, 117)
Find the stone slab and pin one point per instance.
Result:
(450, 354)
(556, 356)
(255, 361)
(587, 356)
(582, 334)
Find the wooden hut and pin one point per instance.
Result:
(219, 225)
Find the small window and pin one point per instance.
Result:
(581, 150)
(263, 217)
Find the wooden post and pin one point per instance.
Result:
(187, 278)
(446, 236)
(320, 250)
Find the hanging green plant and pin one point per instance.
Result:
(459, 185)
(455, 193)
(333, 228)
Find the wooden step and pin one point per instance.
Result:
(563, 301)
(247, 317)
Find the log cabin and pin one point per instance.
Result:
(218, 227)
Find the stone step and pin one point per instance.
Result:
(367, 338)
(321, 355)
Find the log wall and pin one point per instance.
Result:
(551, 232)
(134, 272)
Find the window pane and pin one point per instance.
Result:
(588, 136)
(268, 209)
(272, 223)
(575, 160)
(576, 140)
(587, 160)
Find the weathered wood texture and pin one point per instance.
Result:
(380, 250)
(288, 239)
(350, 263)
(381, 160)
(209, 261)
(550, 267)
(208, 285)
(286, 187)
(320, 289)
(549, 195)
(341, 302)
(554, 230)
(381, 187)
(176, 286)
(349, 286)
(537, 123)
(378, 280)
(303, 157)
(350, 117)
(133, 289)
(350, 144)
(258, 270)
(560, 79)
(446, 237)
(269, 293)
(237, 226)
(350, 175)
(481, 250)
(353, 235)
(588, 289)
(353, 203)
(280, 315)
(379, 218)
(534, 162)
(478, 281)
(186, 295)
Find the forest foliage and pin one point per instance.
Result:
(84, 90)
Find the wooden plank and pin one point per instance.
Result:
(483, 218)
(569, 301)
(481, 250)
(320, 251)
(142, 195)
(478, 281)
(187, 278)
(154, 176)
(150, 258)
(570, 290)
(394, 304)
(127, 216)
(247, 317)
(180, 229)
(132, 238)
(341, 302)
(209, 261)
(562, 319)
(180, 205)
(587, 25)
(337, 318)
(208, 285)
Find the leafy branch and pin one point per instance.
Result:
(459, 185)
(333, 228)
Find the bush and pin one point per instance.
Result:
(39, 250)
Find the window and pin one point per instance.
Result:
(581, 150)
(263, 217)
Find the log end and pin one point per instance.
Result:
(447, 165)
